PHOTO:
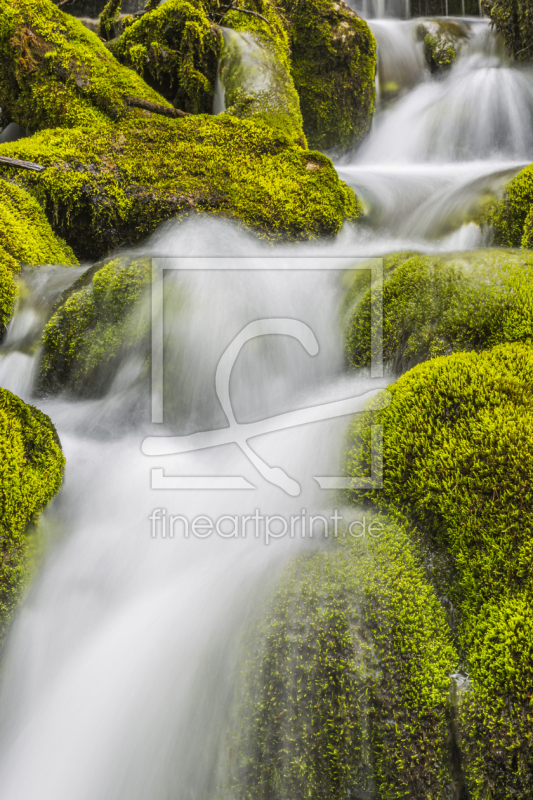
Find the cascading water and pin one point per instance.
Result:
(448, 143)
(120, 668)
(121, 665)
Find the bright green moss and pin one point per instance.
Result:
(511, 217)
(55, 72)
(349, 677)
(439, 53)
(85, 337)
(333, 65)
(31, 471)
(514, 20)
(435, 305)
(175, 48)
(108, 187)
(25, 238)
(458, 464)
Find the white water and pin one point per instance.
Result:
(448, 143)
(120, 668)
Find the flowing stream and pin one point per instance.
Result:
(119, 670)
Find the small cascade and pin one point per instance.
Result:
(449, 142)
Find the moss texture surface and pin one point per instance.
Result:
(31, 471)
(458, 464)
(511, 217)
(333, 57)
(108, 187)
(514, 20)
(25, 238)
(92, 324)
(436, 305)
(349, 677)
(55, 72)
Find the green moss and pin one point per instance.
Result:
(25, 238)
(333, 65)
(514, 20)
(108, 187)
(55, 72)
(436, 305)
(458, 464)
(31, 471)
(349, 677)
(175, 48)
(439, 53)
(511, 217)
(93, 323)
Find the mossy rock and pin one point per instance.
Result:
(514, 20)
(333, 56)
(93, 323)
(458, 466)
(439, 53)
(256, 69)
(511, 218)
(175, 48)
(31, 472)
(346, 690)
(55, 72)
(439, 305)
(106, 187)
(25, 238)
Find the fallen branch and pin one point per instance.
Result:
(15, 162)
(246, 11)
(155, 108)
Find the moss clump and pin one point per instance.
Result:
(333, 65)
(347, 688)
(458, 465)
(108, 187)
(514, 20)
(25, 238)
(55, 72)
(175, 48)
(511, 217)
(440, 305)
(439, 53)
(92, 325)
(31, 471)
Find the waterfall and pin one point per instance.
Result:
(121, 665)
(445, 144)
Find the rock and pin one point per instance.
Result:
(458, 467)
(57, 73)
(438, 305)
(25, 238)
(442, 40)
(31, 472)
(92, 324)
(333, 57)
(105, 187)
(175, 48)
(510, 219)
(348, 676)
(514, 20)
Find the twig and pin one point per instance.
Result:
(246, 11)
(15, 162)
(156, 108)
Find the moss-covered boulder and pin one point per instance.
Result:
(92, 325)
(54, 72)
(442, 39)
(255, 70)
(458, 466)
(436, 305)
(333, 57)
(175, 48)
(31, 471)
(347, 687)
(25, 238)
(105, 187)
(510, 219)
(514, 20)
